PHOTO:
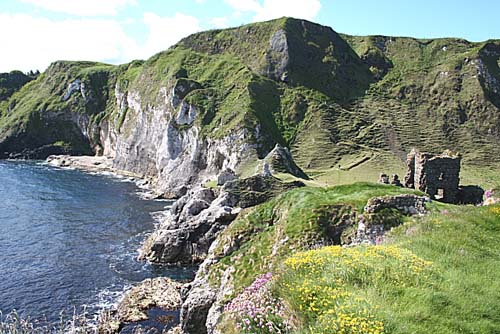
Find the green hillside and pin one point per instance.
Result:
(337, 101)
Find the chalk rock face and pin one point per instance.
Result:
(190, 227)
(163, 142)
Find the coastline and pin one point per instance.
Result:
(141, 298)
(104, 165)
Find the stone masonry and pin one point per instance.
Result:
(436, 175)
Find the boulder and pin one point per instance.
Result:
(160, 292)
(225, 176)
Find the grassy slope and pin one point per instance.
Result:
(380, 97)
(350, 109)
(436, 274)
(296, 220)
(447, 284)
(12, 82)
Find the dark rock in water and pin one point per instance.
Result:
(470, 194)
(42, 152)
(152, 303)
(160, 292)
(280, 160)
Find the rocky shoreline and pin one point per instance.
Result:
(161, 293)
(184, 236)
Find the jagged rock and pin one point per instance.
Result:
(280, 160)
(225, 176)
(195, 219)
(189, 229)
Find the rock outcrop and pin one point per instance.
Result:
(186, 233)
(194, 220)
(280, 161)
(158, 294)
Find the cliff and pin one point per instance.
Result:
(222, 99)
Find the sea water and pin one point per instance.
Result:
(69, 239)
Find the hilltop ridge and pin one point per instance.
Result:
(333, 99)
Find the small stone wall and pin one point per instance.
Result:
(406, 204)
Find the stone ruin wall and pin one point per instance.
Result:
(436, 175)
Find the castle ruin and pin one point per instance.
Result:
(436, 175)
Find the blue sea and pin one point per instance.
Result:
(69, 239)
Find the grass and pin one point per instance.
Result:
(436, 275)
(294, 221)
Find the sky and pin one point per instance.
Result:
(34, 33)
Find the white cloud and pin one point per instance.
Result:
(82, 7)
(271, 9)
(36, 42)
(219, 22)
(201, 1)
(166, 31)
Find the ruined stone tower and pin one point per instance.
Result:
(436, 175)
